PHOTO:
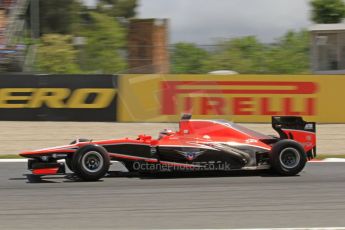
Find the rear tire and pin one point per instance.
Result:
(287, 158)
(91, 162)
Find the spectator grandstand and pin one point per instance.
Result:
(12, 29)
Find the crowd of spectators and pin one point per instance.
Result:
(5, 9)
(7, 51)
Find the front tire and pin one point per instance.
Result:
(287, 158)
(91, 162)
(69, 159)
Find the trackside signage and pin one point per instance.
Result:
(58, 97)
(55, 98)
(241, 98)
(238, 97)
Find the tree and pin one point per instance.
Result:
(187, 58)
(327, 11)
(58, 16)
(118, 8)
(104, 40)
(244, 55)
(290, 55)
(56, 54)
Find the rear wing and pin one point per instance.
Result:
(295, 128)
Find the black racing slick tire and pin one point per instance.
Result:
(287, 157)
(69, 159)
(91, 162)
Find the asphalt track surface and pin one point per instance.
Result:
(132, 201)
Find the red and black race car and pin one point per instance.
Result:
(198, 145)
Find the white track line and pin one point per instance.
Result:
(328, 160)
(12, 160)
(306, 228)
(24, 160)
(334, 160)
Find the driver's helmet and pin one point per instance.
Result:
(165, 132)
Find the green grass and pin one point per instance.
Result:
(10, 156)
(323, 156)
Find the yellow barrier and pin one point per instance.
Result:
(241, 98)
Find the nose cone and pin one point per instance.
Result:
(48, 151)
(24, 154)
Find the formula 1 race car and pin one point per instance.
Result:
(207, 145)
